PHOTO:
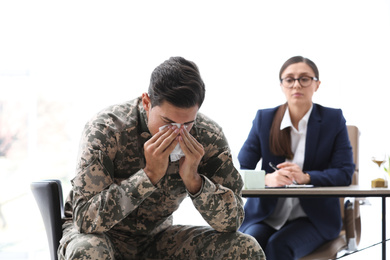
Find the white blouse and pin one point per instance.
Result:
(290, 208)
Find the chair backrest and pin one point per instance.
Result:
(352, 224)
(354, 134)
(48, 195)
(355, 221)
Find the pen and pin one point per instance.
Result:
(275, 168)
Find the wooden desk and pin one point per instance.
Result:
(342, 191)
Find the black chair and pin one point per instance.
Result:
(48, 195)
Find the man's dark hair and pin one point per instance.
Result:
(178, 82)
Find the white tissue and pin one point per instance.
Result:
(177, 153)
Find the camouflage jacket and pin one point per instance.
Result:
(111, 191)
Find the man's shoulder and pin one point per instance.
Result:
(205, 123)
(121, 109)
(119, 116)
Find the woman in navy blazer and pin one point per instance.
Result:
(309, 144)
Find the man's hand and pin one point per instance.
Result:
(157, 150)
(188, 170)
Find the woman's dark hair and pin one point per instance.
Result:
(280, 140)
(178, 82)
(298, 59)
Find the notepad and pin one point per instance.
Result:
(300, 186)
(292, 186)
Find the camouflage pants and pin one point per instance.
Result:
(176, 242)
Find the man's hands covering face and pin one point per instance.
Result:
(158, 148)
(188, 170)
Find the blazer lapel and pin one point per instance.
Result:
(312, 138)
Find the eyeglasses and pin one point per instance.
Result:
(304, 81)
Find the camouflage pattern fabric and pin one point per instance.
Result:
(114, 211)
(176, 242)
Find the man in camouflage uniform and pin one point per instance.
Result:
(127, 187)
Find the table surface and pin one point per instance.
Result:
(339, 191)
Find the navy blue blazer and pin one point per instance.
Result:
(328, 160)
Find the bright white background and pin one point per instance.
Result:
(91, 54)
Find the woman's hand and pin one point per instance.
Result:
(288, 173)
(278, 178)
(294, 172)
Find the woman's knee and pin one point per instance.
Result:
(278, 248)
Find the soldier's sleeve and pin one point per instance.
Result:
(98, 202)
(219, 201)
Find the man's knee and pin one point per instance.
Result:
(248, 247)
(238, 245)
(87, 246)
